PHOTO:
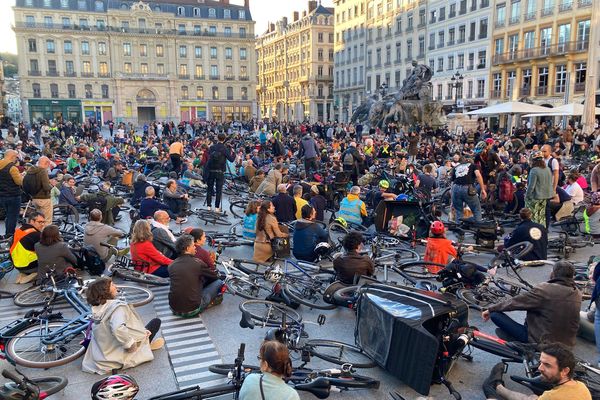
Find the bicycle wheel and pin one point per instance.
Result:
(49, 385)
(237, 208)
(140, 277)
(34, 296)
(308, 292)
(27, 349)
(418, 269)
(339, 353)
(345, 380)
(247, 288)
(269, 312)
(394, 255)
(225, 369)
(478, 298)
(336, 232)
(251, 267)
(135, 295)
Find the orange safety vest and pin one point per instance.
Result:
(21, 257)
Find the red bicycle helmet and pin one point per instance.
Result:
(437, 228)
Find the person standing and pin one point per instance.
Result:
(10, 190)
(463, 178)
(218, 155)
(37, 184)
(176, 155)
(540, 188)
(310, 151)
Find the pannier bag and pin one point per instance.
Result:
(400, 328)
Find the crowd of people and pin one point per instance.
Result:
(523, 172)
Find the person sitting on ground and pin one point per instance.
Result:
(318, 202)
(143, 251)
(164, 240)
(275, 365)
(139, 189)
(439, 249)
(267, 228)
(249, 170)
(256, 181)
(560, 206)
(176, 200)
(191, 177)
(307, 235)
(426, 181)
(352, 265)
(592, 216)
(383, 193)
(119, 338)
(150, 205)
(194, 286)
(67, 192)
(53, 253)
(96, 232)
(552, 310)
(273, 179)
(352, 208)
(249, 221)
(110, 212)
(200, 240)
(573, 188)
(285, 205)
(22, 250)
(557, 366)
(534, 233)
(300, 202)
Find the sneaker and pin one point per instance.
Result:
(493, 380)
(218, 210)
(26, 278)
(214, 302)
(157, 343)
(209, 208)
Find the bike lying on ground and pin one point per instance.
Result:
(23, 388)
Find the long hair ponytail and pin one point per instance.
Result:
(263, 211)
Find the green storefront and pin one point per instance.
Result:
(56, 110)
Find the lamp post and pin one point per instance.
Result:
(457, 82)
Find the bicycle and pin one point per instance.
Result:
(292, 334)
(129, 270)
(23, 388)
(211, 217)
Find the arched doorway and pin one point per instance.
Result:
(146, 110)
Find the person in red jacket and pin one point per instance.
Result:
(143, 250)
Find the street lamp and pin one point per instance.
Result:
(457, 82)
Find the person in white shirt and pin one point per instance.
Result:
(573, 189)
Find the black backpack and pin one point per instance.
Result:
(91, 260)
(217, 159)
(31, 185)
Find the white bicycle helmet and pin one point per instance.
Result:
(115, 387)
(322, 249)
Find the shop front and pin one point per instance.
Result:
(192, 110)
(55, 110)
(99, 111)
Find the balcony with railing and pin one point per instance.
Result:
(584, 3)
(215, 77)
(525, 91)
(52, 73)
(104, 75)
(460, 41)
(541, 52)
(541, 90)
(560, 89)
(244, 78)
(34, 73)
(500, 24)
(451, 15)
(184, 76)
(530, 15)
(565, 6)
(421, 25)
(580, 86)
(70, 74)
(515, 20)
(440, 45)
(199, 77)
(229, 77)
(547, 11)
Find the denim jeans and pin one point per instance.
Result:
(460, 197)
(508, 325)
(12, 205)
(210, 291)
(597, 328)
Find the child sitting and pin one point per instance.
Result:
(439, 250)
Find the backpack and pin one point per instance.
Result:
(90, 260)
(216, 160)
(98, 202)
(348, 158)
(506, 189)
(31, 185)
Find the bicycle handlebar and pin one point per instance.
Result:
(12, 376)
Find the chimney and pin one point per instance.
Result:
(271, 27)
(296, 16)
(284, 22)
(312, 5)
(247, 4)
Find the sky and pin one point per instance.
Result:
(263, 12)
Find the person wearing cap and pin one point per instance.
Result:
(486, 160)
(383, 194)
(318, 202)
(539, 188)
(352, 208)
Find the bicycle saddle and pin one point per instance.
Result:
(246, 321)
(319, 387)
(537, 384)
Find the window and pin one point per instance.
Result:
(81, 4)
(241, 14)
(527, 80)
(198, 52)
(71, 91)
(481, 59)
(469, 89)
(104, 89)
(228, 53)
(103, 70)
(29, 21)
(439, 91)
(85, 48)
(500, 14)
(496, 84)
(212, 13)
(531, 9)
(421, 46)
(144, 68)
(546, 39)
(227, 13)
(583, 34)
(184, 93)
(64, 3)
(199, 71)
(244, 92)
(102, 48)
(127, 68)
(243, 71)
(515, 11)
(214, 72)
(126, 49)
(409, 48)
(160, 50)
(513, 43)
(242, 32)
(215, 93)
(50, 46)
(461, 33)
(183, 71)
(227, 31)
(483, 28)
(83, 23)
(48, 22)
(143, 50)
(160, 69)
(450, 63)
(125, 26)
(440, 64)
(69, 68)
(87, 68)
(98, 6)
(47, 3)
(212, 30)
(196, 12)
(213, 52)
(564, 34)
(37, 92)
(529, 42)
(442, 14)
(452, 12)
(32, 44)
(52, 67)
(543, 77)
(89, 94)
(200, 93)
(180, 11)
(480, 88)
(33, 66)
(100, 24)
(561, 79)
(229, 93)
(66, 22)
(183, 51)
(441, 36)
(499, 46)
(197, 30)
(580, 75)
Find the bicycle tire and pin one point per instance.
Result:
(340, 353)
(33, 297)
(49, 385)
(237, 208)
(248, 290)
(225, 369)
(336, 233)
(477, 299)
(42, 330)
(418, 269)
(307, 292)
(140, 277)
(251, 267)
(346, 296)
(135, 295)
(337, 379)
(253, 307)
(6, 295)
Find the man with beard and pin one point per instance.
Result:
(557, 364)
